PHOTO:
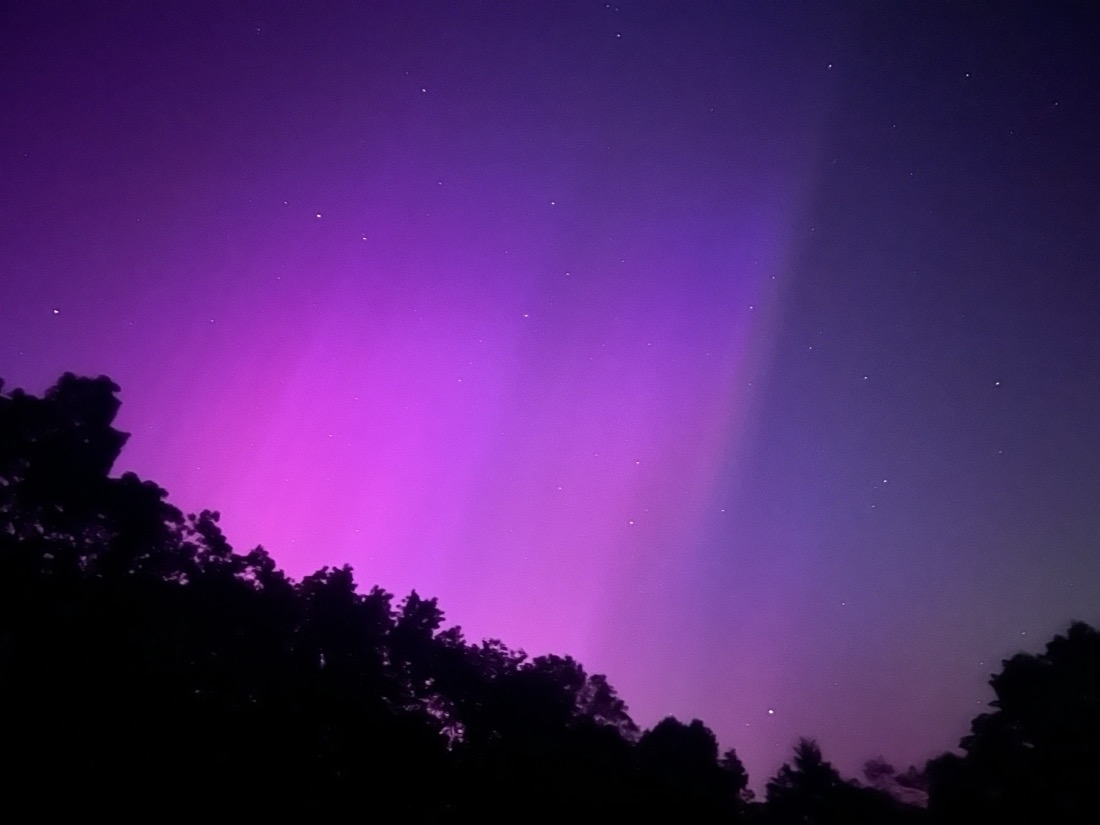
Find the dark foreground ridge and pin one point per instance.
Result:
(145, 667)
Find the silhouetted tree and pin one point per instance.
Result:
(681, 775)
(598, 703)
(737, 777)
(144, 663)
(809, 791)
(1037, 755)
(140, 655)
(804, 790)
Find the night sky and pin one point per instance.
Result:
(748, 352)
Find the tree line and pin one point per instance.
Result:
(148, 668)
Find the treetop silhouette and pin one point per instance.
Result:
(143, 659)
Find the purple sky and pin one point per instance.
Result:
(747, 352)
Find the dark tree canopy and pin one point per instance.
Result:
(808, 790)
(1036, 756)
(142, 657)
(145, 665)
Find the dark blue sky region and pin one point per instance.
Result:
(747, 352)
